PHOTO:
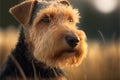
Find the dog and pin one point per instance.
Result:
(49, 41)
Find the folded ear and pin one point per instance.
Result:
(23, 11)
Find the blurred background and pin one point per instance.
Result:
(100, 21)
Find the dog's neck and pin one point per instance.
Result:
(21, 54)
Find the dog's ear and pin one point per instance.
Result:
(65, 2)
(23, 11)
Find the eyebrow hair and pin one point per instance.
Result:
(38, 6)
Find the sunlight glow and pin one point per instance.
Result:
(105, 6)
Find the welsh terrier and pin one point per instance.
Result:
(49, 41)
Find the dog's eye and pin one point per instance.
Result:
(46, 19)
(70, 19)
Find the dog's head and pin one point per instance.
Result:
(51, 32)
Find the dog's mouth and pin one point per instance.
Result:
(69, 51)
(66, 53)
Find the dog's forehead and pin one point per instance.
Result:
(54, 6)
(42, 4)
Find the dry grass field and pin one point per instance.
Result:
(102, 61)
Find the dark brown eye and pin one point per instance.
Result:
(70, 19)
(46, 19)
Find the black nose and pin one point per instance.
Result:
(72, 41)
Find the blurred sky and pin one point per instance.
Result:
(96, 15)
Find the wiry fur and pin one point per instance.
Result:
(51, 37)
(43, 44)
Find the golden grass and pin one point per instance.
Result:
(102, 61)
(8, 39)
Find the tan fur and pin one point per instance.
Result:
(47, 40)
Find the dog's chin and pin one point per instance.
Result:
(66, 57)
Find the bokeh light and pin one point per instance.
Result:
(105, 6)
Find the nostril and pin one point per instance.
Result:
(72, 41)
